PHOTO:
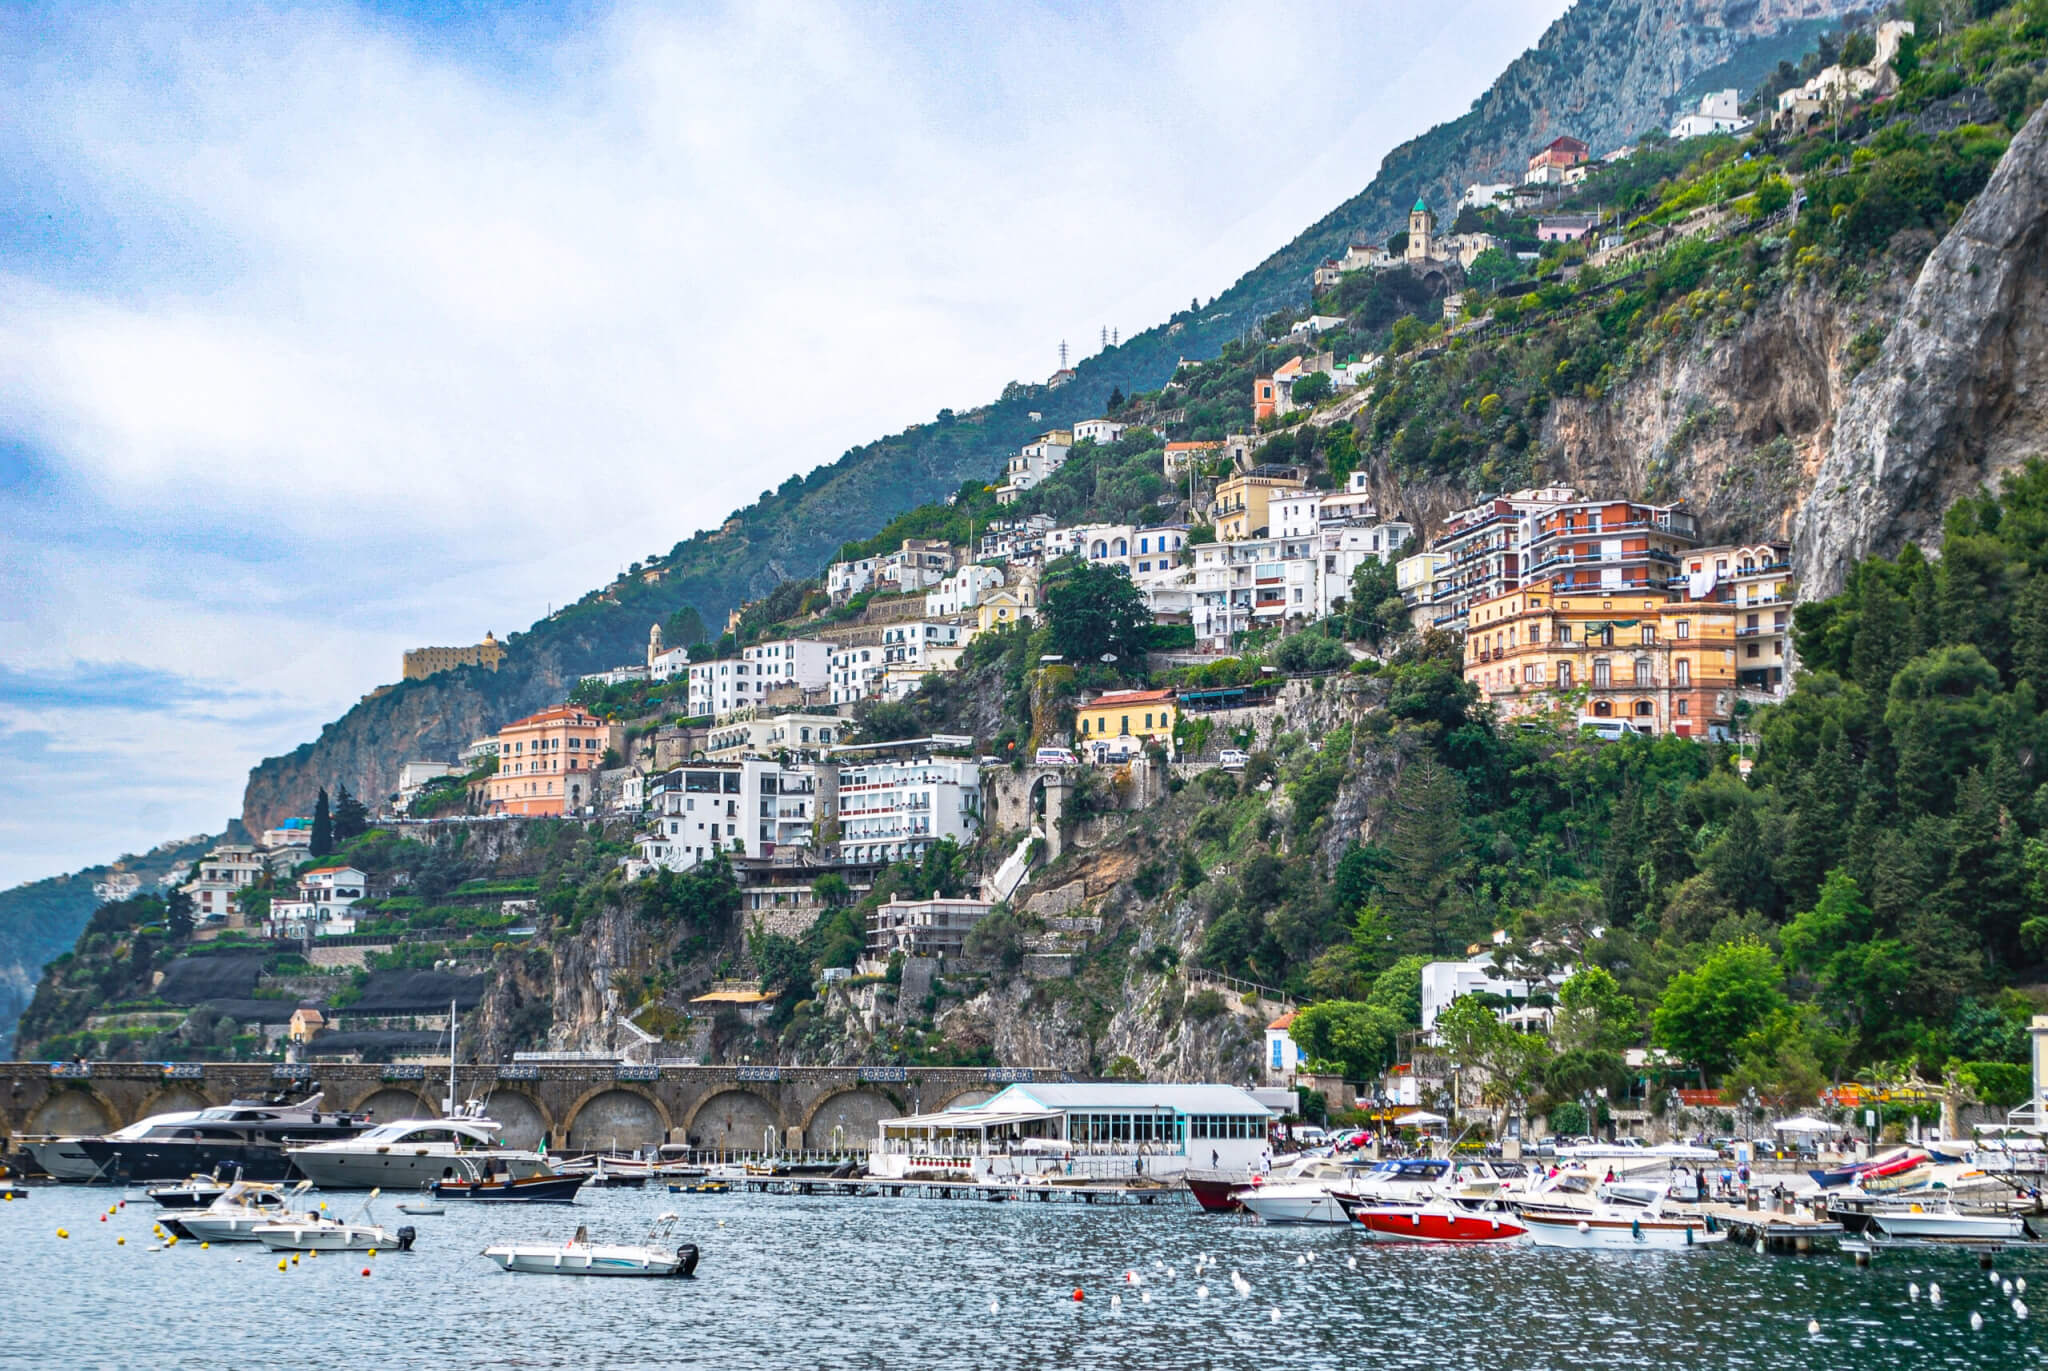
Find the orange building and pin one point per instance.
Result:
(1637, 656)
(548, 762)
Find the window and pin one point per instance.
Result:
(1643, 671)
(1684, 708)
(1683, 629)
(1602, 674)
(1681, 672)
(1564, 675)
(1753, 651)
(1649, 634)
(1643, 709)
(1564, 633)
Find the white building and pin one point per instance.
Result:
(890, 810)
(1101, 432)
(323, 906)
(1443, 982)
(1253, 582)
(752, 806)
(856, 673)
(297, 833)
(921, 928)
(1283, 1058)
(1016, 539)
(804, 662)
(912, 644)
(1481, 194)
(1155, 550)
(916, 565)
(764, 735)
(413, 777)
(1316, 324)
(223, 871)
(1718, 112)
(717, 688)
(669, 664)
(619, 675)
(961, 592)
(1107, 1129)
(469, 757)
(1037, 460)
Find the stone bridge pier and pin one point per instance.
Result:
(576, 1107)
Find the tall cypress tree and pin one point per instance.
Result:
(1622, 896)
(323, 827)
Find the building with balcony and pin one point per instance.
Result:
(1035, 461)
(1608, 544)
(764, 734)
(1756, 580)
(1244, 584)
(1485, 550)
(802, 662)
(897, 809)
(548, 762)
(922, 928)
(223, 871)
(323, 906)
(1243, 507)
(752, 807)
(1646, 658)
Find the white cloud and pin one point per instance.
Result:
(450, 340)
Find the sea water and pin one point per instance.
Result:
(788, 1281)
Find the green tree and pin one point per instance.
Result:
(1374, 610)
(1312, 389)
(1095, 612)
(1708, 1011)
(351, 817)
(1360, 1038)
(322, 843)
(1422, 899)
(1593, 1013)
(1492, 269)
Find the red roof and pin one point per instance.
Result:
(564, 713)
(1128, 697)
(1564, 145)
(1282, 1022)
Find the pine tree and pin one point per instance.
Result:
(351, 817)
(1116, 399)
(323, 827)
(1986, 885)
(1622, 896)
(1817, 826)
(2030, 633)
(1670, 858)
(1876, 650)
(1425, 852)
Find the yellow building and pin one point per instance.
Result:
(1641, 657)
(422, 662)
(1121, 722)
(548, 762)
(1005, 606)
(1243, 503)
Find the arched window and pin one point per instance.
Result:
(1602, 708)
(1643, 709)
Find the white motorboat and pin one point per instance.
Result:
(318, 1233)
(1305, 1195)
(235, 1216)
(413, 1153)
(1946, 1224)
(1607, 1228)
(581, 1257)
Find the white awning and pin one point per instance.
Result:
(970, 1120)
(1804, 1123)
(1421, 1118)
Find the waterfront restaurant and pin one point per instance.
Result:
(1109, 1129)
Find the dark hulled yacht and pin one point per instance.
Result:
(247, 1137)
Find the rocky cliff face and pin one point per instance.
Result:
(1957, 394)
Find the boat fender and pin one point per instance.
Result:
(406, 1235)
(1688, 1235)
(1415, 1220)
(1635, 1229)
(1585, 1227)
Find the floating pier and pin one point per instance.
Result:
(1777, 1230)
(1045, 1192)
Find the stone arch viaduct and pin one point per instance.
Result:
(576, 1107)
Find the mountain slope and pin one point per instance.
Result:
(1605, 71)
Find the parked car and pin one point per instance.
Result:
(1057, 756)
(1232, 758)
(1610, 730)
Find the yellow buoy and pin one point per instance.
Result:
(120, 1242)
(280, 1263)
(373, 1251)
(295, 1261)
(63, 1233)
(203, 1246)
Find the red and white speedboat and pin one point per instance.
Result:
(1438, 1222)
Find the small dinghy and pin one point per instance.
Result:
(317, 1233)
(581, 1257)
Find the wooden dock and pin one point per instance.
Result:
(1766, 1228)
(992, 1192)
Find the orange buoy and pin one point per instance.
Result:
(366, 1271)
(1077, 1294)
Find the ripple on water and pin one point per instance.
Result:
(797, 1282)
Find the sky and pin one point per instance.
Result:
(328, 330)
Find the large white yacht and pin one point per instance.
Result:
(65, 1159)
(412, 1153)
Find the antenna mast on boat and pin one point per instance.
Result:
(448, 1106)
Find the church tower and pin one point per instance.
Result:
(1421, 225)
(653, 643)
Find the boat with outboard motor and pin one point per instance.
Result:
(1306, 1194)
(1931, 1219)
(1855, 1174)
(1437, 1221)
(235, 1215)
(319, 1233)
(581, 1257)
(194, 1192)
(249, 1137)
